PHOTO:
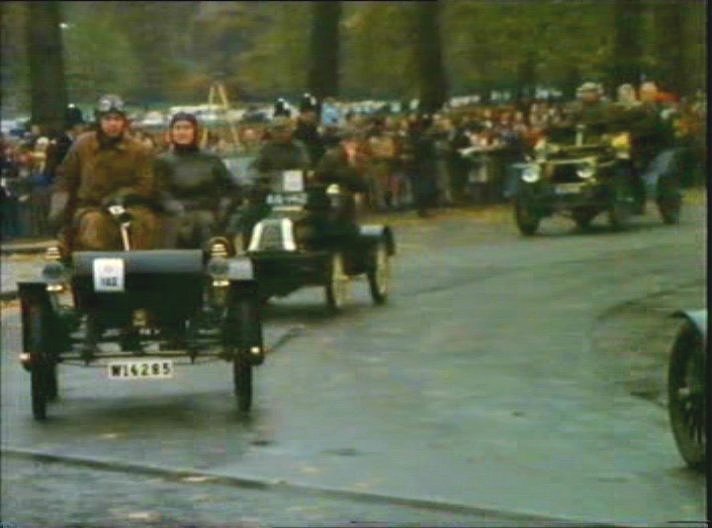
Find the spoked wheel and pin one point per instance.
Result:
(669, 201)
(43, 371)
(526, 219)
(245, 340)
(379, 276)
(621, 207)
(583, 217)
(687, 395)
(337, 286)
(242, 379)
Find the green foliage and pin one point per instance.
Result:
(99, 58)
(161, 52)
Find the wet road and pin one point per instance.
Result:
(482, 389)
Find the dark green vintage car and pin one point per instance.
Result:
(139, 314)
(582, 176)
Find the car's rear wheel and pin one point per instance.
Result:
(379, 274)
(687, 395)
(669, 200)
(244, 335)
(583, 217)
(337, 285)
(621, 206)
(525, 217)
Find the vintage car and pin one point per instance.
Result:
(582, 175)
(305, 239)
(687, 388)
(135, 313)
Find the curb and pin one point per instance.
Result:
(260, 483)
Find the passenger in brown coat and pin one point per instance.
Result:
(101, 168)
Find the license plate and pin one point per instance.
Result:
(108, 275)
(140, 369)
(567, 188)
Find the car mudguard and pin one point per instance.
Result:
(698, 319)
(375, 232)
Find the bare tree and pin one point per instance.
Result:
(48, 91)
(627, 44)
(323, 76)
(432, 83)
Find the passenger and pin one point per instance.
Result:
(195, 188)
(103, 167)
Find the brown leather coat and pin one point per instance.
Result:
(91, 172)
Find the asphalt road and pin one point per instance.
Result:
(500, 383)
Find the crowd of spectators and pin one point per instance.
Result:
(381, 145)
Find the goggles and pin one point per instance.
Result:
(110, 103)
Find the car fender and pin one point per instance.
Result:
(374, 232)
(698, 320)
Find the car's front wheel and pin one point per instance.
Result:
(525, 217)
(43, 370)
(583, 217)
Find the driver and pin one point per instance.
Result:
(102, 168)
(590, 109)
(281, 153)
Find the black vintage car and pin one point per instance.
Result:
(687, 388)
(581, 175)
(136, 313)
(309, 238)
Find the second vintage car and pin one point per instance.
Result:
(581, 176)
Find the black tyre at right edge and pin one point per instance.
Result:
(687, 395)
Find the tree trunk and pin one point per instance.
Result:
(323, 76)
(526, 76)
(432, 83)
(669, 35)
(627, 45)
(48, 90)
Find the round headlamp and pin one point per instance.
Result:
(531, 173)
(585, 171)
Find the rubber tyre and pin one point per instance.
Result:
(669, 202)
(583, 218)
(527, 221)
(620, 208)
(379, 275)
(242, 380)
(335, 290)
(687, 393)
(40, 371)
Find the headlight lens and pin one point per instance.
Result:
(531, 173)
(585, 170)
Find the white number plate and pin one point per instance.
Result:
(108, 275)
(293, 181)
(567, 188)
(140, 369)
